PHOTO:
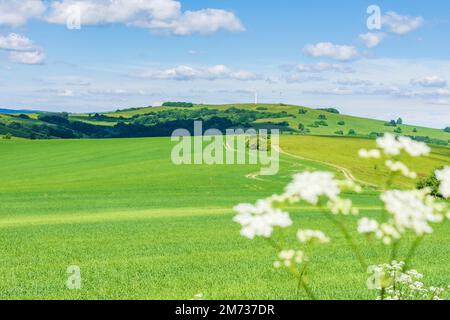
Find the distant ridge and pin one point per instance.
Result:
(12, 111)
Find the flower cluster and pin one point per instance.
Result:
(260, 220)
(398, 284)
(312, 236)
(342, 206)
(290, 258)
(392, 146)
(310, 186)
(369, 154)
(411, 210)
(397, 166)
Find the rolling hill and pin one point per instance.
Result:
(160, 121)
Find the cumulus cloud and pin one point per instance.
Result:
(372, 39)
(17, 42)
(399, 24)
(22, 49)
(430, 81)
(14, 13)
(27, 57)
(159, 15)
(330, 50)
(191, 73)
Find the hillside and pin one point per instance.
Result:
(161, 121)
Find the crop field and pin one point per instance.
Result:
(141, 227)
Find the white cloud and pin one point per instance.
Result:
(330, 50)
(14, 13)
(158, 15)
(27, 57)
(66, 93)
(399, 24)
(430, 81)
(372, 39)
(323, 67)
(16, 42)
(191, 73)
(22, 49)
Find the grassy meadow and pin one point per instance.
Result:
(142, 228)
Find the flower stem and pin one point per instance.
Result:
(412, 251)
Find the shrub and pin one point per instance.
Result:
(341, 123)
(322, 117)
(398, 130)
(447, 129)
(321, 123)
(55, 118)
(302, 111)
(431, 182)
(262, 109)
(7, 136)
(351, 132)
(415, 130)
(178, 104)
(391, 123)
(339, 132)
(330, 110)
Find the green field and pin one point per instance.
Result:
(142, 228)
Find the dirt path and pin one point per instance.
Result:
(346, 172)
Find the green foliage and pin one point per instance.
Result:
(398, 130)
(322, 117)
(431, 182)
(262, 109)
(341, 123)
(399, 121)
(178, 104)
(7, 136)
(302, 111)
(330, 110)
(391, 123)
(351, 132)
(339, 133)
(447, 129)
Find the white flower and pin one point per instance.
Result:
(444, 177)
(260, 220)
(414, 148)
(311, 236)
(369, 154)
(289, 258)
(366, 225)
(412, 210)
(309, 186)
(342, 206)
(390, 145)
(397, 166)
(399, 284)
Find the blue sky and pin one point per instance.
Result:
(132, 53)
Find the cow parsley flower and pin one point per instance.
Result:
(369, 154)
(444, 177)
(390, 145)
(413, 210)
(309, 186)
(368, 226)
(260, 220)
(398, 284)
(289, 258)
(312, 236)
(397, 166)
(342, 206)
(414, 148)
